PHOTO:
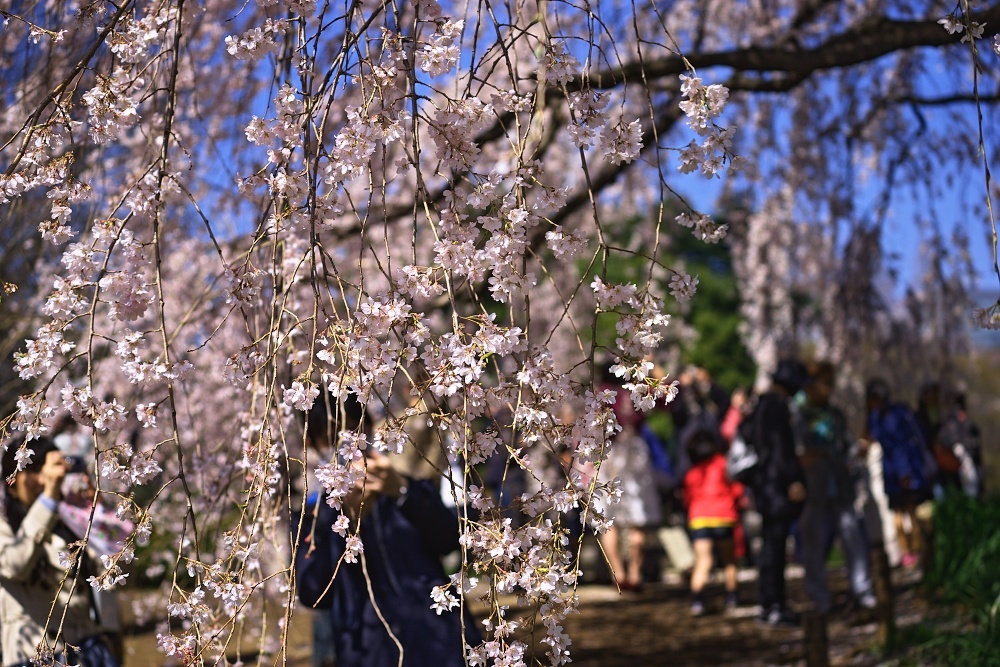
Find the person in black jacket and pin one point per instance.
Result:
(380, 605)
(779, 488)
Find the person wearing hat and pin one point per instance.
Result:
(778, 488)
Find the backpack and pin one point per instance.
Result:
(743, 459)
(905, 453)
(658, 457)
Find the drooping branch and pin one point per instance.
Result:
(783, 69)
(29, 126)
(866, 41)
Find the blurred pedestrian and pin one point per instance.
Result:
(778, 486)
(908, 467)
(639, 505)
(698, 393)
(712, 501)
(825, 448)
(930, 412)
(380, 604)
(879, 523)
(960, 438)
(739, 408)
(38, 611)
(73, 441)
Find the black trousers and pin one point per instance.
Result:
(774, 537)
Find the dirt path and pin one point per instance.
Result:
(655, 627)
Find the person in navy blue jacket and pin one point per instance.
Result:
(380, 606)
(908, 468)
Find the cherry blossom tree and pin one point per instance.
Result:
(249, 204)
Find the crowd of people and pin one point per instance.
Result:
(809, 478)
(787, 457)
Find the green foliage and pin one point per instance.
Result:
(939, 641)
(713, 314)
(967, 553)
(964, 572)
(975, 649)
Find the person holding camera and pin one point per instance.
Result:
(45, 607)
(379, 604)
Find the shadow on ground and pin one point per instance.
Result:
(655, 627)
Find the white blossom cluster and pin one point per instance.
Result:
(683, 286)
(129, 351)
(454, 129)
(242, 366)
(46, 166)
(56, 229)
(704, 228)
(111, 108)
(561, 66)
(86, 410)
(436, 326)
(441, 54)
(131, 42)
(42, 352)
(139, 468)
(955, 24)
(33, 413)
(300, 396)
(619, 142)
(566, 244)
(257, 42)
(589, 109)
(243, 284)
(362, 355)
(640, 326)
(704, 104)
(987, 318)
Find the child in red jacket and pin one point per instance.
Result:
(712, 501)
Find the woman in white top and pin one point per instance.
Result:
(31, 578)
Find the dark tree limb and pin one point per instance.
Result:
(863, 42)
(756, 69)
